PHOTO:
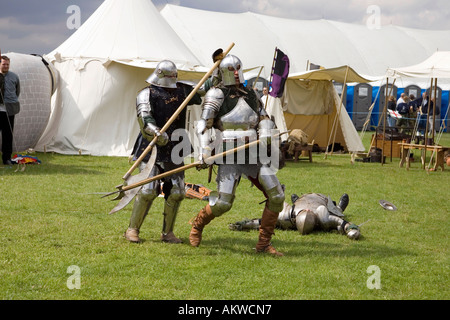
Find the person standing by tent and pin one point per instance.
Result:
(265, 96)
(403, 109)
(9, 107)
(426, 107)
(413, 108)
(392, 105)
(238, 115)
(155, 105)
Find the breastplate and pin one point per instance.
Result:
(242, 117)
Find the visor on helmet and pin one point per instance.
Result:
(165, 75)
(231, 70)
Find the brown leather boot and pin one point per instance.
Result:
(170, 238)
(132, 235)
(266, 230)
(201, 220)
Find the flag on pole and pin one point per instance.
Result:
(280, 72)
(313, 66)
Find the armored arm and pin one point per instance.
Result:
(266, 127)
(212, 102)
(146, 120)
(330, 221)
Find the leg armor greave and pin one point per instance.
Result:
(171, 207)
(227, 181)
(221, 203)
(274, 191)
(142, 204)
(276, 199)
(144, 199)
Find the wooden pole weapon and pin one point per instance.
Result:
(175, 115)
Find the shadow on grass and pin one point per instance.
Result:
(307, 164)
(48, 169)
(60, 164)
(304, 247)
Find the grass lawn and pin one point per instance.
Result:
(59, 242)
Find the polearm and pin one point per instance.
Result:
(175, 115)
(208, 160)
(256, 80)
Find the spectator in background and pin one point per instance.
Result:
(392, 105)
(402, 98)
(9, 107)
(426, 106)
(403, 110)
(413, 107)
(265, 96)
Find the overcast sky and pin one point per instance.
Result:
(39, 26)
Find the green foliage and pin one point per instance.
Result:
(52, 217)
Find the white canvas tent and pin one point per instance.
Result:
(313, 105)
(274, 109)
(325, 42)
(102, 66)
(434, 68)
(437, 66)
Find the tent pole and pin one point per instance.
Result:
(383, 116)
(338, 113)
(271, 73)
(259, 73)
(426, 126)
(366, 124)
(434, 123)
(434, 107)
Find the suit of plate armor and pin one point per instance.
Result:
(155, 105)
(308, 213)
(238, 117)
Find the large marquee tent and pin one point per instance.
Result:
(324, 42)
(105, 62)
(102, 66)
(330, 44)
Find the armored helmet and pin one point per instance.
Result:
(231, 70)
(305, 221)
(165, 75)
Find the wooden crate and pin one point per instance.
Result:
(390, 146)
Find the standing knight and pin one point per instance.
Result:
(308, 213)
(155, 105)
(238, 117)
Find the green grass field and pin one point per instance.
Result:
(52, 219)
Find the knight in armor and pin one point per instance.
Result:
(155, 105)
(308, 213)
(237, 116)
